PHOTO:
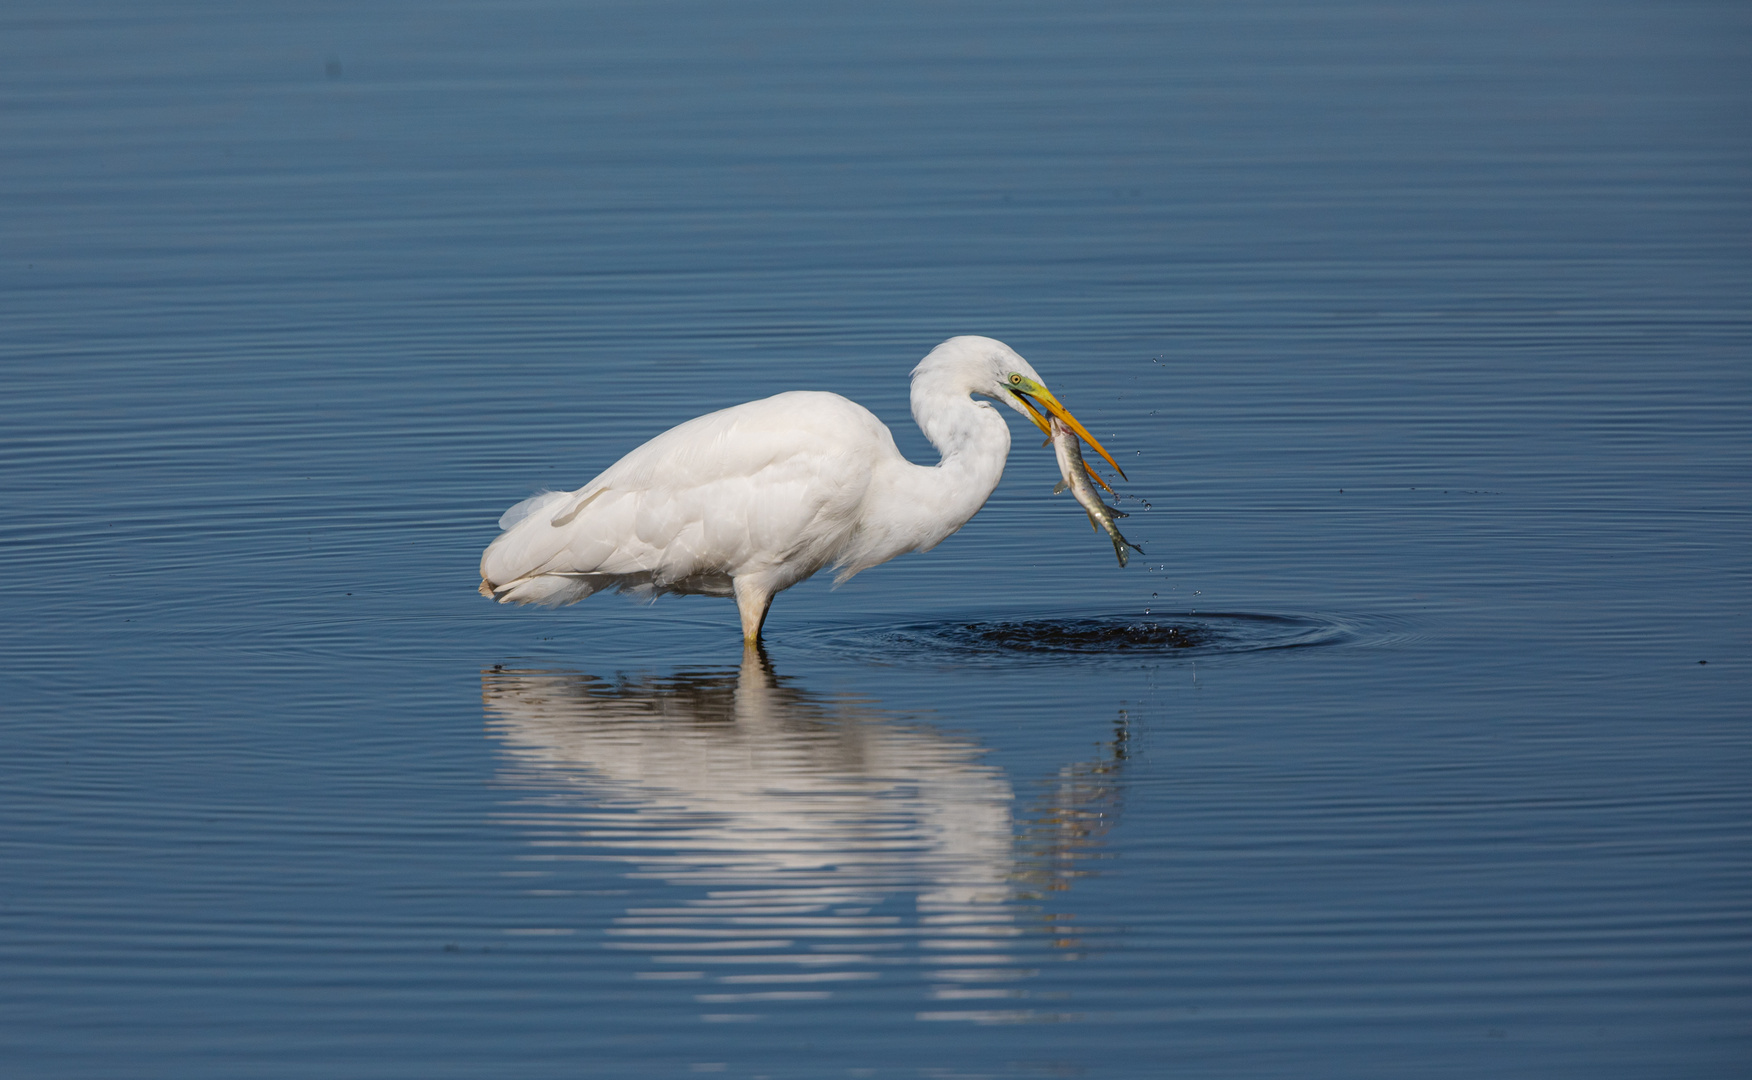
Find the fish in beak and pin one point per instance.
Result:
(1025, 388)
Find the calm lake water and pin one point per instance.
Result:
(1419, 744)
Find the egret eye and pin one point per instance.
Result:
(1016, 379)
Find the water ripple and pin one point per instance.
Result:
(1192, 635)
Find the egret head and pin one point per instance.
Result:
(998, 371)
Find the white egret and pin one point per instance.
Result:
(750, 500)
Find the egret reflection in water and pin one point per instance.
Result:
(817, 841)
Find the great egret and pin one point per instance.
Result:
(750, 500)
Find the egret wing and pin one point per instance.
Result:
(770, 483)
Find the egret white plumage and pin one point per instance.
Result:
(750, 500)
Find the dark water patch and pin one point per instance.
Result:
(1190, 635)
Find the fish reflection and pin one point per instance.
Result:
(816, 840)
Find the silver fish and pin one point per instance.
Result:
(1069, 452)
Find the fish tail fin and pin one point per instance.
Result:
(1121, 545)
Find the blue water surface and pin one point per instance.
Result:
(1418, 744)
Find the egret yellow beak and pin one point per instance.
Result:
(1033, 414)
(1032, 389)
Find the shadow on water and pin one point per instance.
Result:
(1192, 635)
(787, 846)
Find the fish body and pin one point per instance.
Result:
(1076, 477)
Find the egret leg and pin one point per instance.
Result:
(752, 599)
